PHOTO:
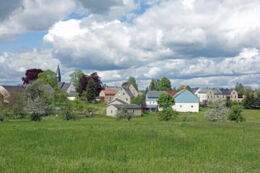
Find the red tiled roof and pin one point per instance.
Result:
(171, 92)
(110, 92)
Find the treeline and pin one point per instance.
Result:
(251, 96)
(41, 95)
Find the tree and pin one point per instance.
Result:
(31, 75)
(75, 78)
(91, 91)
(154, 84)
(84, 83)
(249, 101)
(165, 84)
(132, 81)
(217, 111)
(60, 97)
(165, 101)
(39, 99)
(17, 104)
(139, 100)
(257, 100)
(240, 88)
(167, 114)
(48, 77)
(235, 114)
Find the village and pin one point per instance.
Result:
(127, 96)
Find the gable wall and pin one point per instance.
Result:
(186, 97)
(122, 95)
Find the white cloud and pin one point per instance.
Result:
(14, 65)
(196, 42)
(35, 15)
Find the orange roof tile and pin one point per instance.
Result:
(110, 92)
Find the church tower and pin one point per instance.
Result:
(58, 75)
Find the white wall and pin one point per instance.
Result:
(202, 97)
(71, 98)
(151, 103)
(111, 111)
(186, 107)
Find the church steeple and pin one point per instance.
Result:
(58, 75)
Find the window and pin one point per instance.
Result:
(180, 106)
(123, 93)
(192, 106)
(111, 111)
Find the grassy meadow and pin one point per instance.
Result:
(103, 144)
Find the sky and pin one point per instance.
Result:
(201, 43)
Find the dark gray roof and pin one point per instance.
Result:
(226, 91)
(119, 100)
(217, 91)
(194, 89)
(154, 94)
(203, 90)
(151, 106)
(64, 86)
(18, 88)
(127, 106)
(127, 90)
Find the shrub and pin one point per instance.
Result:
(68, 113)
(167, 114)
(89, 111)
(124, 114)
(2, 117)
(5, 114)
(217, 111)
(235, 114)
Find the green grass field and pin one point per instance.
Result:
(103, 144)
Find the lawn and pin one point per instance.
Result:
(103, 144)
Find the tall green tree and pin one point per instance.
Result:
(75, 78)
(39, 99)
(249, 101)
(165, 101)
(154, 84)
(257, 100)
(165, 84)
(48, 77)
(132, 81)
(240, 88)
(91, 91)
(139, 100)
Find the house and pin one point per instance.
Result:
(202, 94)
(10, 91)
(114, 109)
(126, 93)
(151, 100)
(4, 95)
(171, 92)
(66, 87)
(107, 95)
(217, 94)
(235, 97)
(186, 101)
(69, 89)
